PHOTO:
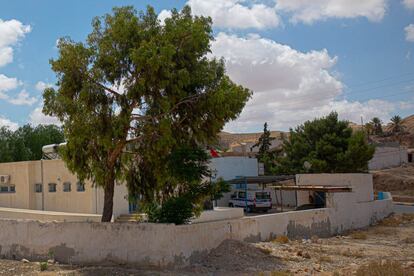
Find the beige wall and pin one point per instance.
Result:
(19, 176)
(25, 175)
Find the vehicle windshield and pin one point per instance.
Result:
(262, 195)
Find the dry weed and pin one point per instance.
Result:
(266, 250)
(382, 231)
(383, 268)
(359, 235)
(408, 240)
(351, 253)
(281, 239)
(325, 259)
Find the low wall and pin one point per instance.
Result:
(13, 213)
(219, 213)
(167, 244)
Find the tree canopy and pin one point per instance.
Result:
(136, 91)
(27, 141)
(328, 145)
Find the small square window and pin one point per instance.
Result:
(12, 189)
(80, 186)
(52, 187)
(4, 189)
(38, 188)
(66, 187)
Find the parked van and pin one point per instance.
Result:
(256, 200)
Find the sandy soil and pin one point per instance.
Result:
(388, 245)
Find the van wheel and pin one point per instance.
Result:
(248, 209)
(231, 205)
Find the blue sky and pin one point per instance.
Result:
(301, 58)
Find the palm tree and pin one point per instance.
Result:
(396, 124)
(376, 126)
(369, 127)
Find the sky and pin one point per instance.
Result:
(302, 59)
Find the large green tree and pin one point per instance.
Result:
(325, 145)
(27, 141)
(134, 91)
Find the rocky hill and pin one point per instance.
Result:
(228, 140)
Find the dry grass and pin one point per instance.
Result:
(266, 250)
(408, 217)
(397, 220)
(351, 253)
(281, 239)
(359, 235)
(275, 273)
(381, 231)
(408, 240)
(325, 259)
(393, 221)
(378, 268)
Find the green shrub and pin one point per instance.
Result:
(43, 266)
(179, 209)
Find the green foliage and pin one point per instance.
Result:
(27, 141)
(136, 91)
(329, 145)
(181, 207)
(43, 266)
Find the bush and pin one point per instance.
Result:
(180, 209)
(177, 210)
(43, 266)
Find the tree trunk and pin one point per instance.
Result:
(108, 199)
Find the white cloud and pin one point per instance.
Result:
(38, 118)
(310, 11)
(4, 122)
(289, 86)
(409, 4)
(164, 14)
(7, 84)
(235, 14)
(11, 32)
(23, 98)
(409, 32)
(41, 86)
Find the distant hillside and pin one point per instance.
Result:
(408, 122)
(228, 140)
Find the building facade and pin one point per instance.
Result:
(48, 185)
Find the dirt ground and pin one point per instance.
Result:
(399, 181)
(384, 249)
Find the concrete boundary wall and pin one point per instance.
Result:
(167, 244)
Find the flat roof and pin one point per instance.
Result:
(315, 188)
(266, 179)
